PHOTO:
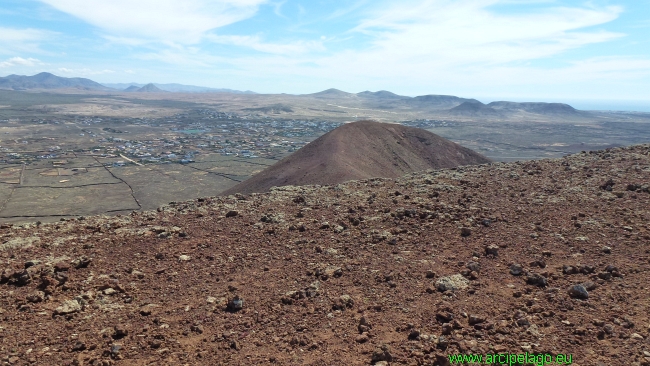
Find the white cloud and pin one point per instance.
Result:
(257, 44)
(13, 35)
(457, 33)
(19, 61)
(84, 71)
(166, 20)
(181, 56)
(13, 40)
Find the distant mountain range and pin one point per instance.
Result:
(149, 88)
(449, 104)
(175, 88)
(45, 80)
(452, 105)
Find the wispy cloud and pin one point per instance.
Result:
(19, 61)
(347, 10)
(277, 9)
(254, 42)
(27, 40)
(22, 35)
(84, 71)
(168, 20)
(468, 32)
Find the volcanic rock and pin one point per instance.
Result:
(453, 283)
(578, 292)
(68, 307)
(176, 312)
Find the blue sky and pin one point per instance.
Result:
(487, 49)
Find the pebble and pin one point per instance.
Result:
(414, 334)
(32, 263)
(578, 292)
(61, 267)
(443, 342)
(382, 354)
(475, 319)
(81, 262)
(516, 270)
(452, 283)
(492, 250)
(590, 286)
(37, 296)
(605, 276)
(120, 332)
(68, 307)
(536, 280)
(232, 213)
(474, 266)
(184, 258)
(362, 338)
(237, 303)
(364, 325)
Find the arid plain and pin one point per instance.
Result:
(75, 152)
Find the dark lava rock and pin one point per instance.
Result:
(236, 304)
(474, 266)
(492, 250)
(382, 354)
(578, 292)
(516, 270)
(536, 280)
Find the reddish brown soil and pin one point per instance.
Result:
(155, 284)
(362, 150)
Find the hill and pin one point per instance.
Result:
(361, 150)
(331, 93)
(178, 88)
(438, 101)
(45, 80)
(536, 107)
(473, 108)
(382, 94)
(149, 88)
(132, 88)
(547, 256)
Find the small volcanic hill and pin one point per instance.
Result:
(45, 80)
(545, 257)
(438, 101)
(150, 88)
(382, 94)
(361, 150)
(473, 108)
(536, 107)
(332, 93)
(132, 88)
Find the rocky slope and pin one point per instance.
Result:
(541, 256)
(361, 150)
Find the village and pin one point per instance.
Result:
(176, 139)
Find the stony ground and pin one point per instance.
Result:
(548, 256)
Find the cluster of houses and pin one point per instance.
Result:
(187, 135)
